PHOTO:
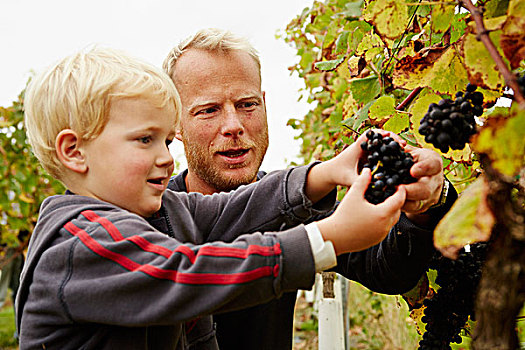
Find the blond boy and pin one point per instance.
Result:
(100, 274)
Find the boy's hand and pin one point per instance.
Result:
(356, 224)
(341, 170)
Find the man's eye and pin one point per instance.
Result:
(207, 111)
(248, 104)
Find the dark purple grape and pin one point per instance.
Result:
(450, 123)
(390, 166)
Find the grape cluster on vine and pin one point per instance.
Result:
(447, 312)
(451, 123)
(390, 166)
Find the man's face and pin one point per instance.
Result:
(223, 123)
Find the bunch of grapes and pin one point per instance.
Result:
(390, 166)
(451, 123)
(447, 312)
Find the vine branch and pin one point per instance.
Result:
(483, 35)
(409, 98)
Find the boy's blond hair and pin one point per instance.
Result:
(211, 39)
(76, 93)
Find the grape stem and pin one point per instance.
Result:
(483, 35)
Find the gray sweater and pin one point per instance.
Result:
(100, 277)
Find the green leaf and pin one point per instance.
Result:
(397, 123)
(458, 27)
(513, 37)
(442, 16)
(382, 108)
(448, 74)
(353, 9)
(495, 8)
(366, 89)
(503, 140)
(341, 44)
(443, 71)
(329, 65)
(389, 17)
(468, 221)
(478, 61)
(359, 117)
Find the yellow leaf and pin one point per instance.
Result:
(469, 220)
(24, 198)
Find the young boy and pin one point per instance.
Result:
(99, 275)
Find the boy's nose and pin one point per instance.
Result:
(165, 158)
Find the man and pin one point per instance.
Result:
(225, 134)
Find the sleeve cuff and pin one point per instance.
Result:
(323, 251)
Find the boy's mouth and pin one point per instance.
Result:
(155, 181)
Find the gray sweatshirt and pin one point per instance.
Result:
(100, 277)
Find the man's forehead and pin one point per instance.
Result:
(199, 62)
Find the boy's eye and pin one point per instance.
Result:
(168, 142)
(145, 139)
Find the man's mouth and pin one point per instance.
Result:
(234, 153)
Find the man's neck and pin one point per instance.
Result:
(196, 184)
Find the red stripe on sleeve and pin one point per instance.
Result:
(227, 252)
(173, 275)
(108, 225)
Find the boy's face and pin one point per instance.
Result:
(129, 163)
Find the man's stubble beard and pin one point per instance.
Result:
(200, 163)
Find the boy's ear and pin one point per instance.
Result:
(69, 152)
(178, 134)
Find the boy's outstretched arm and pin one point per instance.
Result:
(340, 170)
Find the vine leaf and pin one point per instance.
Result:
(329, 65)
(503, 140)
(384, 115)
(468, 221)
(495, 8)
(443, 16)
(366, 89)
(438, 68)
(513, 37)
(383, 108)
(481, 67)
(397, 123)
(389, 17)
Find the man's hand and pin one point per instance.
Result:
(428, 170)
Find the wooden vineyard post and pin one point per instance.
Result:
(331, 325)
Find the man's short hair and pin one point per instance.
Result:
(211, 39)
(76, 93)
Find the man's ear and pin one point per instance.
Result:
(264, 100)
(69, 152)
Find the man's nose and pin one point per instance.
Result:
(232, 125)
